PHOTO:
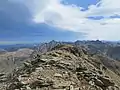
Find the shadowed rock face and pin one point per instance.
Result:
(114, 52)
(65, 67)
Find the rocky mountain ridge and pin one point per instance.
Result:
(111, 49)
(64, 67)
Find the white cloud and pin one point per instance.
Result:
(106, 8)
(70, 17)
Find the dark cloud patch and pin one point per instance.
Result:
(16, 24)
(15, 20)
(13, 14)
(16, 11)
(115, 16)
(40, 33)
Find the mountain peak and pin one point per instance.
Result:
(65, 67)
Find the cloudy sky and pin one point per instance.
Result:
(64, 20)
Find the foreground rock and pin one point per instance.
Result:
(64, 68)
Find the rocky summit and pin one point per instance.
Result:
(64, 67)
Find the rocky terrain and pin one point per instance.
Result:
(65, 67)
(10, 60)
(114, 52)
(2, 51)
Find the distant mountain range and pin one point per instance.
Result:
(111, 49)
(23, 52)
(94, 47)
(15, 47)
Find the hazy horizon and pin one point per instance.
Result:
(15, 43)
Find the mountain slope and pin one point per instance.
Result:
(10, 60)
(65, 67)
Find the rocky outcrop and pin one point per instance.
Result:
(66, 67)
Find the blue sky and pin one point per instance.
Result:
(63, 20)
(81, 3)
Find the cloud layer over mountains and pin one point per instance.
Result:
(99, 21)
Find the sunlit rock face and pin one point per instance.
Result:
(64, 67)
